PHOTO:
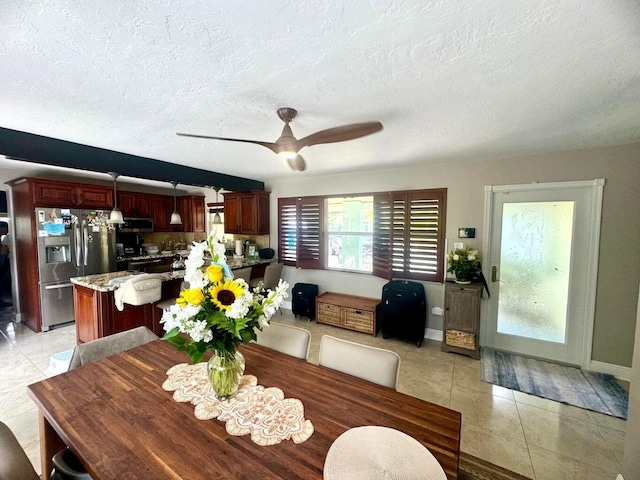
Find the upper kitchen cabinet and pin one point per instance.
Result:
(54, 193)
(134, 204)
(161, 209)
(192, 212)
(246, 213)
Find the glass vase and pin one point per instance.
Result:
(225, 370)
(462, 275)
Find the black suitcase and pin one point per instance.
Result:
(304, 300)
(403, 311)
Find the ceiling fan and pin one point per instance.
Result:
(288, 147)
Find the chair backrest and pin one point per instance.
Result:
(272, 274)
(293, 341)
(14, 463)
(110, 345)
(244, 273)
(369, 363)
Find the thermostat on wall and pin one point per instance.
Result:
(466, 233)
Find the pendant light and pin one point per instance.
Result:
(217, 220)
(115, 216)
(176, 219)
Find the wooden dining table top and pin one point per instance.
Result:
(118, 420)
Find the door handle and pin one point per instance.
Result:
(56, 287)
(494, 271)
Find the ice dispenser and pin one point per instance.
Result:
(57, 249)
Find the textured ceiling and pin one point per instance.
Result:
(448, 79)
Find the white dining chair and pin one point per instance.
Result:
(272, 274)
(287, 339)
(244, 273)
(369, 363)
(110, 345)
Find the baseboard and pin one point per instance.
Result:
(433, 334)
(621, 373)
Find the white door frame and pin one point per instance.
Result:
(591, 261)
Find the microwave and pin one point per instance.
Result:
(136, 225)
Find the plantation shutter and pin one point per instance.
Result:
(408, 235)
(287, 231)
(300, 231)
(382, 235)
(425, 235)
(310, 251)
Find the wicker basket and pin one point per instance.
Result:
(456, 338)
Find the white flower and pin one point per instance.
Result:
(240, 308)
(456, 257)
(471, 257)
(218, 253)
(263, 321)
(177, 316)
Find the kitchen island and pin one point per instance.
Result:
(95, 309)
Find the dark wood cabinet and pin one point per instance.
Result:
(27, 194)
(461, 328)
(246, 213)
(161, 210)
(97, 315)
(192, 212)
(133, 204)
(52, 193)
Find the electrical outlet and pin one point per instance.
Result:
(437, 311)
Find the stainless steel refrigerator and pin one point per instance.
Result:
(71, 243)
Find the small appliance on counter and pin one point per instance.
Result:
(178, 263)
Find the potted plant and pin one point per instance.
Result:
(461, 262)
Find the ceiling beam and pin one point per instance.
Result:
(33, 148)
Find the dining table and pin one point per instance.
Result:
(117, 418)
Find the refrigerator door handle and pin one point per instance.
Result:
(85, 242)
(76, 232)
(62, 285)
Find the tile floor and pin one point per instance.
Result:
(538, 438)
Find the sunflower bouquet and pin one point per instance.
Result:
(217, 311)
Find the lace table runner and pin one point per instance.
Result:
(262, 412)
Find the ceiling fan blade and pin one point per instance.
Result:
(339, 134)
(297, 163)
(271, 146)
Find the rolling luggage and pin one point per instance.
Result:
(303, 301)
(403, 311)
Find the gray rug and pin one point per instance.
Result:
(599, 392)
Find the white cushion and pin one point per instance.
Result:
(369, 363)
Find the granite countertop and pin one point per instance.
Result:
(101, 281)
(146, 257)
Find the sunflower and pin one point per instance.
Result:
(224, 294)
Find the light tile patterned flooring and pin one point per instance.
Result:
(538, 438)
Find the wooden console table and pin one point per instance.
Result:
(348, 311)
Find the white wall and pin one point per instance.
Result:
(619, 262)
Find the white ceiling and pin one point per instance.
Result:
(448, 79)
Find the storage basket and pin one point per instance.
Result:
(456, 338)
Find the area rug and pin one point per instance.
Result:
(594, 391)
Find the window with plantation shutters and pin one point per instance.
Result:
(408, 237)
(408, 234)
(300, 231)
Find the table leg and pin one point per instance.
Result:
(50, 444)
